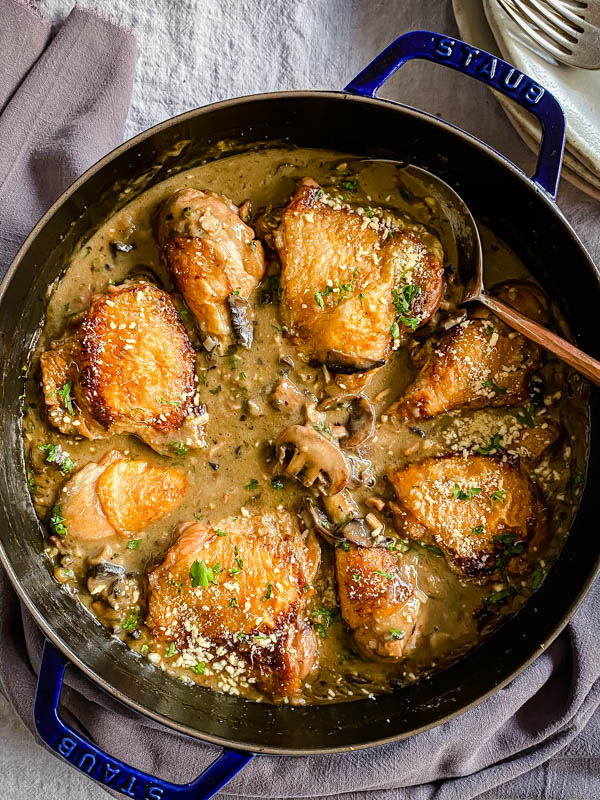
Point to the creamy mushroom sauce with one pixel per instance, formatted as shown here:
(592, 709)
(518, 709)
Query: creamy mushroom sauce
(235, 472)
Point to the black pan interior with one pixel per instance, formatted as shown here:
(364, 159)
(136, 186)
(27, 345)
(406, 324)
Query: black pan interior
(516, 211)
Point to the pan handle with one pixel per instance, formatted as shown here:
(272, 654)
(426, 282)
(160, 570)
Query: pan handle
(110, 772)
(486, 68)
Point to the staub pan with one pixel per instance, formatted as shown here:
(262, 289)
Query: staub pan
(521, 210)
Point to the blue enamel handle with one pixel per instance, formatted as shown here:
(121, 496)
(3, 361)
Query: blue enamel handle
(111, 772)
(486, 68)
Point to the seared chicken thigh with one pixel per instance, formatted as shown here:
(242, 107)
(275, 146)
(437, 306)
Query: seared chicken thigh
(482, 513)
(117, 496)
(243, 585)
(352, 282)
(129, 368)
(478, 363)
(215, 262)
(377, 599)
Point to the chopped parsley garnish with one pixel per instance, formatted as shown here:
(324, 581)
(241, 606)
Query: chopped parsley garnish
(478, 531)
(144, 649)
(495, 444)
(57, 521)
(319, 299)
(33, 487)
(322, 428)
(171, 650)
(269, 592)
(577, 476)
(65, 396)
(537, 578)
(233, 602)
(327, 616)
(199, 668)
(527, 416)
(56, 455)
(489, 384)
(133, 544)
(402, 302)
(187, 211)
(387, 575)
(277, 483)
(499, 495)
(357, 577)
(489, 329)
(307, 587)
(178, 448)
(361, 297)
(368, 212)
(397, 634)
(221, 533)
(131, 621)
(201, 574)
(251, 485)
(395, 330)
(162, 401)
(459, 494)
(350, 186)
(497, 598)
(343, 544)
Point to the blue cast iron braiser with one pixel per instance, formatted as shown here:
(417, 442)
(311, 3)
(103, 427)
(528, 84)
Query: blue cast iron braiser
(252, 728)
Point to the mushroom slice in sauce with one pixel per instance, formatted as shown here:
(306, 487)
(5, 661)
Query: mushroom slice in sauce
(341, 272)
(306, 455)
(117, 496)
(342, 520)
(214, 260)
(240, 585)
(361, 417)
(481, 512)
(129, 368)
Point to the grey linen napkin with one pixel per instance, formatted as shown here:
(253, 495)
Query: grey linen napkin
(66, 108)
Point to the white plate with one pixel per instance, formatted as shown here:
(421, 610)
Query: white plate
(581, 165)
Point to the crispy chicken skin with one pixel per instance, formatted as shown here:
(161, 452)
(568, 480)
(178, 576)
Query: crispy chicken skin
(129, 368)
(478, 363)
(323, 243)
(483, 513)
(254, 602)
(214, 260)
(117, 496)
(377, 599)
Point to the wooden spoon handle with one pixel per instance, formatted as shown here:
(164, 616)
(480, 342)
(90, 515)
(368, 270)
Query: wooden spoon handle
(576, 358)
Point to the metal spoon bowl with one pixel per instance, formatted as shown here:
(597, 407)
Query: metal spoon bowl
(466, 243)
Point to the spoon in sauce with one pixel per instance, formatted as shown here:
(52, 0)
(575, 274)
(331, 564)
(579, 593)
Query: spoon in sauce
(469, 261)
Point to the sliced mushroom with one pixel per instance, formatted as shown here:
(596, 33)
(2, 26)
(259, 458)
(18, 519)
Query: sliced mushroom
(338, 362)
(103, 575)
(342, 520)
(241, 323)
(361, 417)
(307, 456)
(287, 397)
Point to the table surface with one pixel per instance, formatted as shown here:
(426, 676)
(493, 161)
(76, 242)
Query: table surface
(317, 44)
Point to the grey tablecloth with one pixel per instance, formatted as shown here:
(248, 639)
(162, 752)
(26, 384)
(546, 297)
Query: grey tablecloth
(64, 102)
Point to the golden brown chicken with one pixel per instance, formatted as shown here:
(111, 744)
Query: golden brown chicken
(129, 368)
(483, 513)
(352, 281)
(240, 585)
(377, 599)
(478, 363)
(117, 496)
(215, 262)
